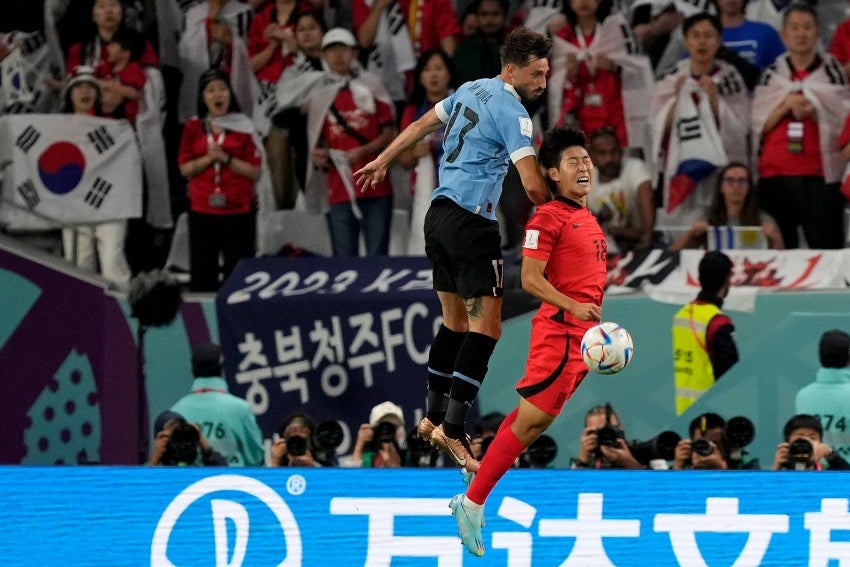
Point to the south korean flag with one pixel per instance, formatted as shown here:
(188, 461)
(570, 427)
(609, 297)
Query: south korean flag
(67, 170)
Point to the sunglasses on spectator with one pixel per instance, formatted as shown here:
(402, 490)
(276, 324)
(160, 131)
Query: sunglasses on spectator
(736, 180)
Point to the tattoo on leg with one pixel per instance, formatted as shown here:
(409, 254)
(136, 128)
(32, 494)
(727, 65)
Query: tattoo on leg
(473, 307)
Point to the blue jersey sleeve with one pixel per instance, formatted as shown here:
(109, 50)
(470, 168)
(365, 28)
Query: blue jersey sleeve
(516, 130)
(444, 108)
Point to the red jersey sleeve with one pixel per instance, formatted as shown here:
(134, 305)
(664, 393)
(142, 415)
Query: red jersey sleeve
(256, 41)
(540, 234)
(359, 13)
(446, 19)
(133, 76)
(75, 57)
(840, 45)
(384, 113)
(149, 57)
(191, 132)
(407, 116)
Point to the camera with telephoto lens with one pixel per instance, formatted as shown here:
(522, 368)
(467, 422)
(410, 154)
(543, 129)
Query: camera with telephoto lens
(184, 445)
(296, 446)
(385, 432)
(329, 435)
(662, 446)
(800, 455)
(739, 432)
(540, 453)
(419, 451)
(609, 435)
(702, 447)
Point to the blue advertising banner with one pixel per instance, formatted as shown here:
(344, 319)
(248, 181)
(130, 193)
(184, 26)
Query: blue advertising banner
(382, 517)
(330, 337)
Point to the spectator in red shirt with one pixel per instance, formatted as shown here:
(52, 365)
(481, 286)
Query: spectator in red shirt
(272, 48)
(271, 37)
(220, 159)
(798, 111)
(107, 19)
(432, 24)
(121, 79)
(353, 115)
(593, 92)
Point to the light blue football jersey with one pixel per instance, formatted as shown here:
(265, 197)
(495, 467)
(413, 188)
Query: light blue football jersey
(485, 126)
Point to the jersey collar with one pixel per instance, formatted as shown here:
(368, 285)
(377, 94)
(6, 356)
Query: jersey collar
(512, 90)
(568, 202)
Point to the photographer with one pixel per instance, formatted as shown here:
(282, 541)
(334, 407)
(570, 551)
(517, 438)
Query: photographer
(377, 441)
(179, 443)
(706, 447)
(603, 442)
(294, 446)
(804, 449)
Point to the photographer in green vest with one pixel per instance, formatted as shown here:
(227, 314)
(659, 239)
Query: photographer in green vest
(703, 336)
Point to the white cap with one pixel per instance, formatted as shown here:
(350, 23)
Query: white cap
(338, 35)
(386, 410)
(81, 74)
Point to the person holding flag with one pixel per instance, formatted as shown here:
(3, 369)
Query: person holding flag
(701, 118)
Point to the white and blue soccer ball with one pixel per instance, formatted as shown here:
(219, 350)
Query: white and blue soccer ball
(607, 348)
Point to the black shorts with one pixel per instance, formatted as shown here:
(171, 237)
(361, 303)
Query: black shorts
(465, 251)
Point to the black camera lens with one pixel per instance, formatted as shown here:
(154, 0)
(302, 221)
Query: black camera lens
(702, 447)
(183, 445)
(542, 452)
(609, 436)
(800, 451)
(329, 435)
(740, 432)
(662, 446)
(296, 445)
(385, 432)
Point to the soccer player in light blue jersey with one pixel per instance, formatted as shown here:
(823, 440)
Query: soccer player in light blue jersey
(485, 125)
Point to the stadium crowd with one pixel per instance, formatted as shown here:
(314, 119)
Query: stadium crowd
(245, 109)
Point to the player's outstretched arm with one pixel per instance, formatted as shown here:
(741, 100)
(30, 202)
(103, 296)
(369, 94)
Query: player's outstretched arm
(532, 180)
(376, 170)
(534, 282)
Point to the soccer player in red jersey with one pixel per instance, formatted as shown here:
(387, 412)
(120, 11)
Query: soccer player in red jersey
(563, 265)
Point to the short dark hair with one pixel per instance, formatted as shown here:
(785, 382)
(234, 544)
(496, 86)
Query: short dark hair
(207, 359)
(834, 349)
(555, 141)
(489, 423)
(603, 132)
(316, 15)
(714, 269)
(694, 19)
(610, 413)
(712, 421)
(803, 7)
(130, 40)
(523, 45)
(304, 418)
(799, 421)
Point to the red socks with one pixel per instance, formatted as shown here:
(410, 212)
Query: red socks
(501, 455)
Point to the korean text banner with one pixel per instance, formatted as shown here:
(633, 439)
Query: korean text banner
(330, 337)
(68, 169)
(377, 518)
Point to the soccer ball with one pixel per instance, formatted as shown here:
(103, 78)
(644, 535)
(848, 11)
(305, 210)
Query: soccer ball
(607, 348)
